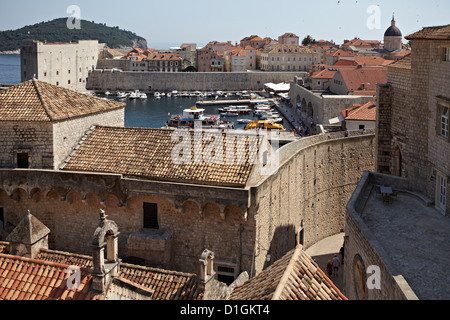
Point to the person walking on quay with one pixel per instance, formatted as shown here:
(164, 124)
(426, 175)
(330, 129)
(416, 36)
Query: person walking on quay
(336, 264)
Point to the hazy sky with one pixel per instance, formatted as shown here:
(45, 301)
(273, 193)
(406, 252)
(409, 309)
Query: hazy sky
(167, 23)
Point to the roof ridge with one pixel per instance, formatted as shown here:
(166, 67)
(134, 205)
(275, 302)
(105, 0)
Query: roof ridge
(41, 262)
(75, 149)
(44, 105)
(287, 273)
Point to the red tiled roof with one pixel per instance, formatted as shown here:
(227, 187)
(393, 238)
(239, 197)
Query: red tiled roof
(359, 42)
(166, 285)
(340, 53)
(363, 78)
(35, 100)
(432, 33)
(373, 61)
(403, 63)
(147, 153)
(365, 112)
(329, 71)
(343, 62)
(31, 279)
(294, 277)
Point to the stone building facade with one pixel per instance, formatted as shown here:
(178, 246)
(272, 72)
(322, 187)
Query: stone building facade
(413, 136)
(42, 123)
(288, 57)
(248, 224)
(397, 228)
(62, 64)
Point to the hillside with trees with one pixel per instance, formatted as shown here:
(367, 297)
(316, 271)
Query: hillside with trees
(57, 31)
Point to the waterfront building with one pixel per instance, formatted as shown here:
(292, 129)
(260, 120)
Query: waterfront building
(254, 41)
(62, 64)
(288, 58)
(164, 62)
(208, 60)
(217, 46)
(289, 38)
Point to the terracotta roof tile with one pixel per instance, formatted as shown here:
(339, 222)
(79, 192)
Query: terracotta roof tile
(167, 285)
(41, 286)
(363, 78)
(432, 33)
(294, 277)
(35, 100)
(340, 53)
(147, 153)
(365, 112)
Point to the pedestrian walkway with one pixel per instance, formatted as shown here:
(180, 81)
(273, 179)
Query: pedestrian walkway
(323, 251)
(292, 116)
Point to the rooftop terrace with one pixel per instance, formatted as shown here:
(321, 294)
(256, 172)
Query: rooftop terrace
(408, 233)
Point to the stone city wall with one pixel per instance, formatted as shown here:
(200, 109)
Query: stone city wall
(309, 192)
(108, 80)
(241, 226)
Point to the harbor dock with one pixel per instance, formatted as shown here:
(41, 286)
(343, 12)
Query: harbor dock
(232, 102)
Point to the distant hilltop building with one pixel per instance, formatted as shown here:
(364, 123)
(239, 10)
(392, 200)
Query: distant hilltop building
(62, 64)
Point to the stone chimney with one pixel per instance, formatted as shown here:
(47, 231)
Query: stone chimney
(207, 273)
(28, 237)
(105, 237)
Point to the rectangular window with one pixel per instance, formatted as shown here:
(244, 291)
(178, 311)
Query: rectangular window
(447, 54)
(151, 216)
(226, 274)
(22, 160)
(441, 191)
(443, 129)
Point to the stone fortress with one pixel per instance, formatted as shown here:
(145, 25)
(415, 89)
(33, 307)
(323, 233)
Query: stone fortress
(251, 221)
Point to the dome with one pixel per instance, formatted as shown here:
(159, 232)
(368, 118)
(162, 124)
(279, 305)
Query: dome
(393, 31)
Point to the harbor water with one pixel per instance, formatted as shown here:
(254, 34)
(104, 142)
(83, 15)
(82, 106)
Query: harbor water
(142, 113)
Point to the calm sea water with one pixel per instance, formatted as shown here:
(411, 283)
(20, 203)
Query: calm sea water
(153, 113)
(147, 113)
(9, 69)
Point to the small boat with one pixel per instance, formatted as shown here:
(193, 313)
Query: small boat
(244, 120)
(121, 95)
(134, 95)
(229, 114)
(268, 125)
(192, 116)
(157, 95)
(143, 95)
(107, 93)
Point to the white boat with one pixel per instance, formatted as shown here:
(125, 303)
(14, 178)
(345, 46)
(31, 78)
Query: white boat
(229, 114)
(134, 95)
(121, 95)
(143, 96)
(157, 95)
(244, 120)
(107, 93)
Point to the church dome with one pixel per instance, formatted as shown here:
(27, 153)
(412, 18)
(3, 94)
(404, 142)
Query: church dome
(393, 31)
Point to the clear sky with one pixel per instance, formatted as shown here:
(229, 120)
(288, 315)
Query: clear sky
(169, 23)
